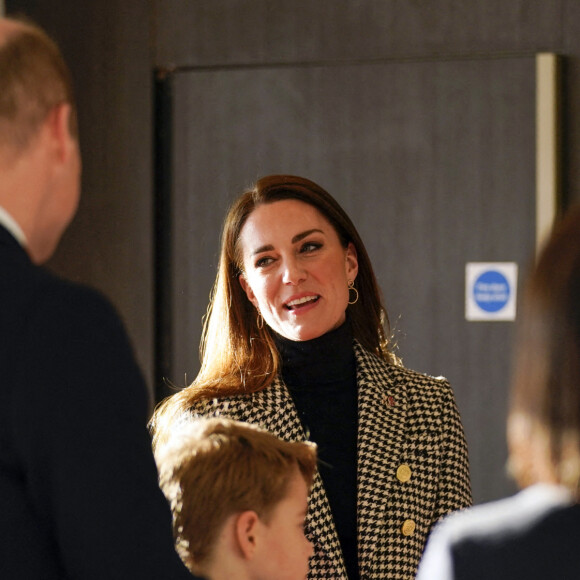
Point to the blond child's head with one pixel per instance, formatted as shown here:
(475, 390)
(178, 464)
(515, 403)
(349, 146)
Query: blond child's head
(239, 498)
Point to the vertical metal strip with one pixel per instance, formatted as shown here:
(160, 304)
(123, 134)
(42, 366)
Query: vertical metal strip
(163, 152)
(547, 145)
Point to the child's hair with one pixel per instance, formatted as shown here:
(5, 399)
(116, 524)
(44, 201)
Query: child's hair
(212, 468)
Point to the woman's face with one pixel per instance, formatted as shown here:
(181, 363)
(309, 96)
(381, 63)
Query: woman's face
(296, 271)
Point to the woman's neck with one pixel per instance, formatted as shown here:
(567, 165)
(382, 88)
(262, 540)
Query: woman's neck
(322, 360)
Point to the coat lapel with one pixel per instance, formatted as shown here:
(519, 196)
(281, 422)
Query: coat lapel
(382, 408)
(274, 409)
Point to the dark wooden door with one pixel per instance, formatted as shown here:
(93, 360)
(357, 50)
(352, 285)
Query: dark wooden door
(434, 162)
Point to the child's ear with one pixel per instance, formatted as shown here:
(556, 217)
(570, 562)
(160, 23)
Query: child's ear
(246, 530)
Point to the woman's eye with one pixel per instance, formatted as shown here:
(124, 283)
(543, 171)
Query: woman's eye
(263, 262)
(310, 247)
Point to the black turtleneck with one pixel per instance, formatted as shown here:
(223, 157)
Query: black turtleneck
(321, 377)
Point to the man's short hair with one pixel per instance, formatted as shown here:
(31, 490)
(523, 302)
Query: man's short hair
(212, 468)
(34, 78)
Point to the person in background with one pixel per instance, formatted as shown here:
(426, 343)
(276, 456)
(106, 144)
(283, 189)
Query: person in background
(295, 341)
(239, 497)
(79, 493)
(534, 534)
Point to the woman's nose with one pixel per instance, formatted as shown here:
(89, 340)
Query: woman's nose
(293, 272)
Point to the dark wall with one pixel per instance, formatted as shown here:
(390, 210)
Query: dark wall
(114, 46)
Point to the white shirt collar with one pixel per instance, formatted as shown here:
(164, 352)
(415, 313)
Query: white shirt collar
(12, 226)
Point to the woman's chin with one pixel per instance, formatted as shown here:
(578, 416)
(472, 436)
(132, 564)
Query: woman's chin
(301, 334)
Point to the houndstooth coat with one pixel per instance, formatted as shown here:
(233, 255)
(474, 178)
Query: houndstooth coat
(412, 464)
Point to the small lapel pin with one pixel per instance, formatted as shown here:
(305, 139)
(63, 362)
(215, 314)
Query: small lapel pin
(389, 400)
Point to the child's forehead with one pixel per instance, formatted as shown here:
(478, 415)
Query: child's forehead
(297, 491)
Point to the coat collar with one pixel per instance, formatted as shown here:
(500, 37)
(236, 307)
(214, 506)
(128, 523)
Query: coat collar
(8, 222)
(7, 240)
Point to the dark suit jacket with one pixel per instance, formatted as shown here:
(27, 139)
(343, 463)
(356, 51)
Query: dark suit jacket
(78, 485)
(533, 535)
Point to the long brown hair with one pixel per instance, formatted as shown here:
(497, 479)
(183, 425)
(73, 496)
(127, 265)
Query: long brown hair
(240, 357)
(544, 421)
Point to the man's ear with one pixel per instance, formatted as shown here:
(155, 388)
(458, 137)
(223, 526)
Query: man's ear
(248, 290)
(246, 533)
(57, 125)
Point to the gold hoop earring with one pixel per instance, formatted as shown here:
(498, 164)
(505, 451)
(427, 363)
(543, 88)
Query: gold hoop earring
(260, 321)
(351, 287)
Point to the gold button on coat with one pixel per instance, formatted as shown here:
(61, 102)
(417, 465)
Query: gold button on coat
(408, 528)
(403, 473)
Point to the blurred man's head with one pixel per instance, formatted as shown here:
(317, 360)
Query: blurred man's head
(39, 153)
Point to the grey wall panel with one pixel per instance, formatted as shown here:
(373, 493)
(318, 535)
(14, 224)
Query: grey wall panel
(255, 32)
(433, 160)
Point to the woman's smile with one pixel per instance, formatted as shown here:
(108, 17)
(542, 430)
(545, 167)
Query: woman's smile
(300, 303)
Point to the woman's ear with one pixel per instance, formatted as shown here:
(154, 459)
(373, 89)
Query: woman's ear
(248, 290)
(246, 533)
(351, 262)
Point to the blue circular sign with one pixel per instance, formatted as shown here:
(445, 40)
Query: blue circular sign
(491, 291)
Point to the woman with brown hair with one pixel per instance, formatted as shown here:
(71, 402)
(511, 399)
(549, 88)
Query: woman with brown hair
(534, 534)
(295, 341)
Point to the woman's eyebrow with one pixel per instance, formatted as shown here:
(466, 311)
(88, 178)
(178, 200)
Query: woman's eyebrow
(296, 238)
(266, 248)
(305, 234)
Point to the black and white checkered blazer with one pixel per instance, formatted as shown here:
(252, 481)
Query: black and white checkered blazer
(412, 464)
